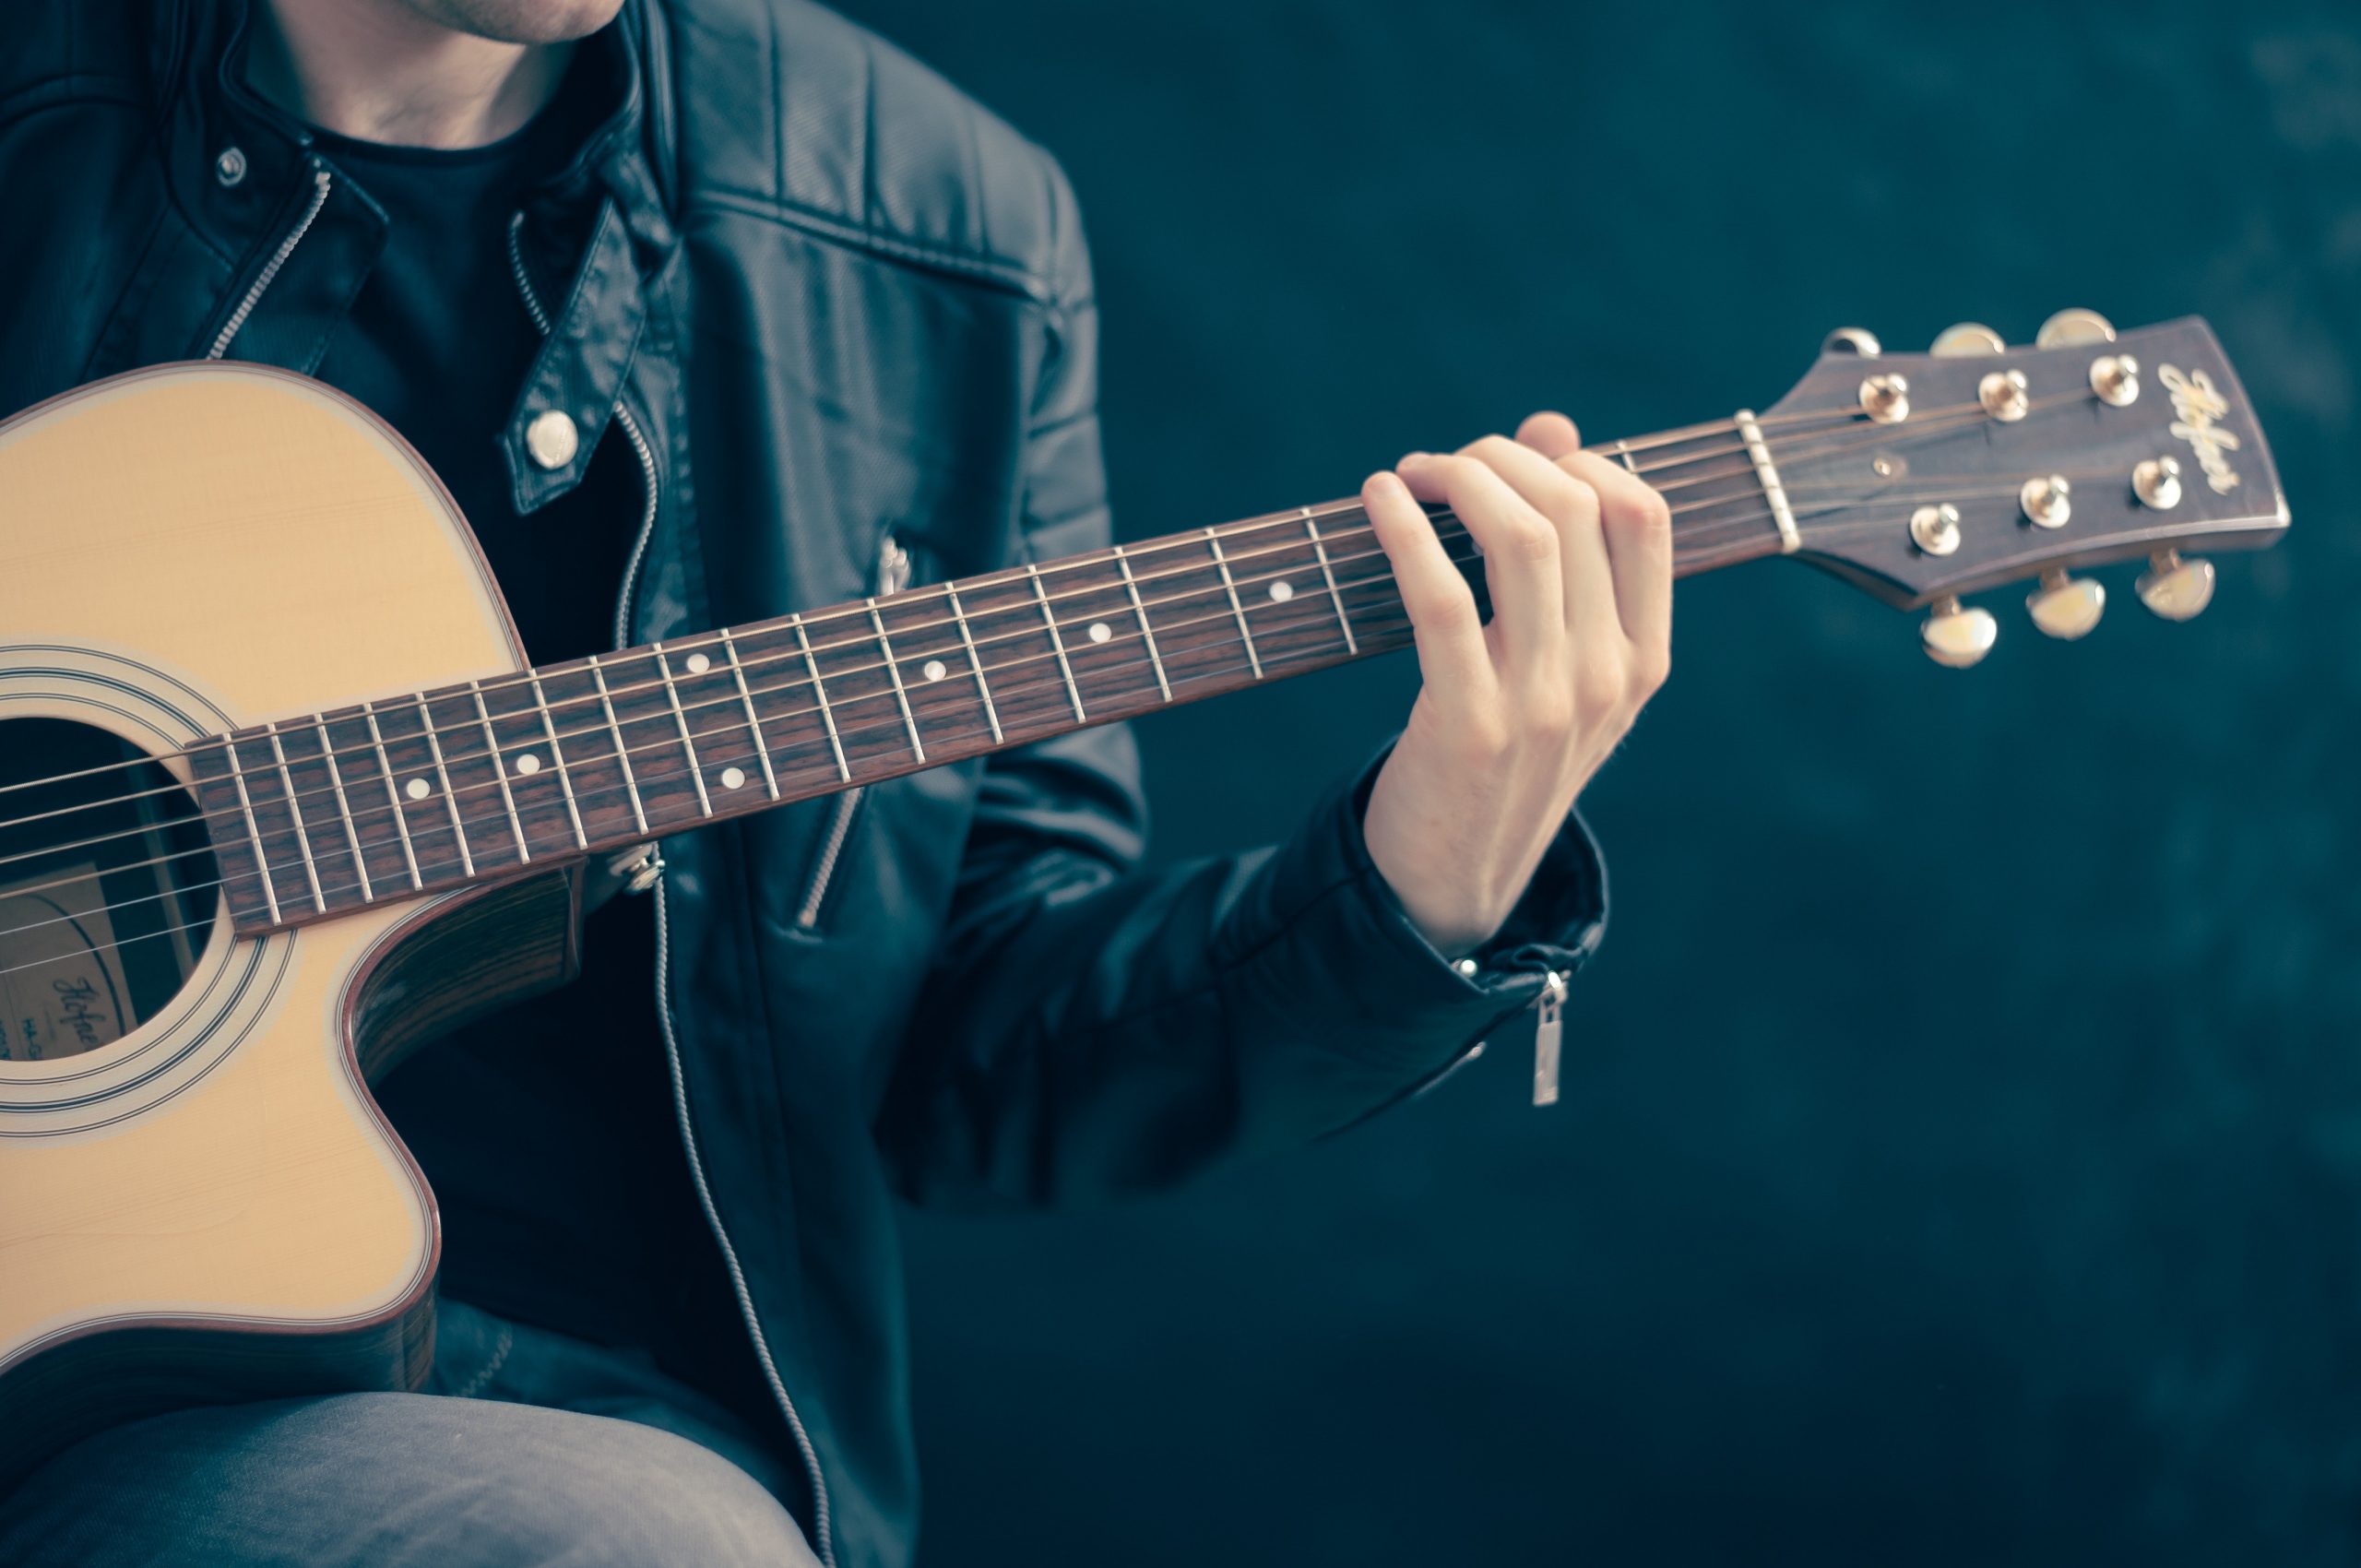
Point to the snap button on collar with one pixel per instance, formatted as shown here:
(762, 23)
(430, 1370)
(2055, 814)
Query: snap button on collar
(552, 439)
(230, 167)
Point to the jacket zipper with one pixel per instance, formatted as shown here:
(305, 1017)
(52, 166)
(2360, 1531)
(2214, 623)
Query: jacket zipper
(892, 576)
(321, 180)
(1548, 1029)
(624, 604)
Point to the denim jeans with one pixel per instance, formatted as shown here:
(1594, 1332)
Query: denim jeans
(526, 1448)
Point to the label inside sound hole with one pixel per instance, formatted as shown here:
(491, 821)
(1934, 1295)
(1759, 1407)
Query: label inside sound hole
(62, 987)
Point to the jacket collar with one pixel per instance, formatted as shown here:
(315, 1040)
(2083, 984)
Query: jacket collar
(245, 173)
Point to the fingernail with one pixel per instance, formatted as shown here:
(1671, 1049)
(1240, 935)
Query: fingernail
(1388, 484)
(1410, 458)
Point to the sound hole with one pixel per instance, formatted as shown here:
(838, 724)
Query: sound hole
(107, 888)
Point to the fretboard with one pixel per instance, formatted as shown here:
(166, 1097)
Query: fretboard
(318, 815)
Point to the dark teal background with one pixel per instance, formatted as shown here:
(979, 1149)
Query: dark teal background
(1962, 1132)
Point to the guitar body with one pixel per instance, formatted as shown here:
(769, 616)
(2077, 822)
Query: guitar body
(209, 1205)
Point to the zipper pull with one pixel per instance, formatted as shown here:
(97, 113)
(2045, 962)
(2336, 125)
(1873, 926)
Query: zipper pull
(1547, 1030)
(893, 566)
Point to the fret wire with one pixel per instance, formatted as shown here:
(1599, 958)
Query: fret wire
(500, 772)
(245, 803)
(841, 731)
(1239, 531)
(1147, 633)
(1311, 527)
(1840, 424)
(688, 747)
(450, 800)
(1282, 663)
(1380, 580)
(393, 797)
(894, 669)
(622, 753)
(557, 759)
(343, 805)
(959, 616)
(819, 690)
(754, 720)
(1227, 615)
(1253, 659)
(1057, 642)
(295, 812)
(1216, 674)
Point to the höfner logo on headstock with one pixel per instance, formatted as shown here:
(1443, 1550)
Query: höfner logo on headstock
(2199, 406)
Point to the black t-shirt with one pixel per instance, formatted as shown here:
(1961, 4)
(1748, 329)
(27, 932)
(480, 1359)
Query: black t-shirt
(546, 1130)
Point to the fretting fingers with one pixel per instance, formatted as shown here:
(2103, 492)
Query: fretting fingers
(1521, 551)
(1551, 435)
(1572, 508)
(1637, 526)
(1444, 617)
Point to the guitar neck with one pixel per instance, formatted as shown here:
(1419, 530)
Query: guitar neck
(423, 793)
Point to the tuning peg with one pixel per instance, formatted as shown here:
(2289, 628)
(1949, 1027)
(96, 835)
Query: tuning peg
(2156, 481)
(2065, 607)
(2116, 379)
(1967, 341)
(1858, 340)
(1886, 399)
(2004, 396)
(2047, 500)
(2071, 326)
(1935, 530)
(2174, 588)
(1957, 637)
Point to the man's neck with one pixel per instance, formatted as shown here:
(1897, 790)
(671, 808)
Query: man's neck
(376, 70)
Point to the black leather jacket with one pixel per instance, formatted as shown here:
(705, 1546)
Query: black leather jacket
(825, 297)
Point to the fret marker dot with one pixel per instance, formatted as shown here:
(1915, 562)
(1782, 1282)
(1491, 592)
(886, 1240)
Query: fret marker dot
(1100, 631)
(528, 763)
(732, 777)
(699, 664)
(1281, 590)
(934, 670)
(416, 789)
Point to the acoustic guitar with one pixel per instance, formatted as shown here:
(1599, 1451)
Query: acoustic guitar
(280, 799)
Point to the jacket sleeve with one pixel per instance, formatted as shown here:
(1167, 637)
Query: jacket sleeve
(1089, 1026)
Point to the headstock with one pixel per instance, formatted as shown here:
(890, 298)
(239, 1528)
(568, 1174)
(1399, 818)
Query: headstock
(1924, 477)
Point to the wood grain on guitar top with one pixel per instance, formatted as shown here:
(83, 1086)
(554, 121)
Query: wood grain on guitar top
(258, 1228)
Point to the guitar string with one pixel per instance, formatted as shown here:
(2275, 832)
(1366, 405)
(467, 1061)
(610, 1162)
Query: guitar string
(670, 745)
(1928, 423)
(1699, 541)
(1698, 537)
(1700, 554)
(1192, 538)
(566, 850)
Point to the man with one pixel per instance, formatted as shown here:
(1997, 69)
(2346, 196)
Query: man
(706, 309)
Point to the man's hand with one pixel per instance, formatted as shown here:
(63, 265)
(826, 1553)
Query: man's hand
(1516, 713)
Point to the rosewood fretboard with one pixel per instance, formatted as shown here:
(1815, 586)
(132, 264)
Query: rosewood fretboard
(320, 815)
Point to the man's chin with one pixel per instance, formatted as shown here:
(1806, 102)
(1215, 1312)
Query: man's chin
(521, 21)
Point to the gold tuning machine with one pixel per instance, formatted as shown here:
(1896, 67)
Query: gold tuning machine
(2176, 589)
(2065, 607)
(2156, 481)
(1967, 341)
(1856, 340)
(2047, 500)
(1957, 637)
(2068, 328)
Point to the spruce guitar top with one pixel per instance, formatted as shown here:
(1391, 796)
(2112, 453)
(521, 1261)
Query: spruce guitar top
(280, 799)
